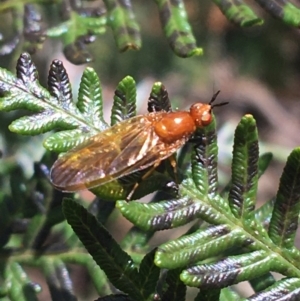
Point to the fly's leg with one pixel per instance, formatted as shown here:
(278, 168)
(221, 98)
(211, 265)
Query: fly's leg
(171, 185)
(145, 176)
(173, 163)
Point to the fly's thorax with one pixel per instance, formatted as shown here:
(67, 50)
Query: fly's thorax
(174, 126)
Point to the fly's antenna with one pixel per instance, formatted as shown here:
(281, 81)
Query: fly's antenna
(220, 104)
(217, 104)
(214, 97)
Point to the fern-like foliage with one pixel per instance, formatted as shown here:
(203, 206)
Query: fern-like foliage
(230, 242)
(80, 24)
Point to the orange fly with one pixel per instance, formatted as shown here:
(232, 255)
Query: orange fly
(131, 145)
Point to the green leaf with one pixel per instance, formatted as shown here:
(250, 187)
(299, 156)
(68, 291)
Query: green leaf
(238, 12)
(34, 229)
(90, 102)
(21, 287)
(205, 160)
(263, 163)
(124, 106)
(122, 21)
(261, 283)
(242, 195)
(291, 14)
(284, 289)
(58, 280)
(54, 110)
(111, 191)
(228, 271)
(159, 99)
(284, 221)
(76, 32)
(176, 212)
(197, 246)
(118, 266)
(283, 10)
(228, 294)
(13, 88)
(159, 216)
(177, 29)
(66, 140)
(212, 210)
(136, 243)
(59, 85)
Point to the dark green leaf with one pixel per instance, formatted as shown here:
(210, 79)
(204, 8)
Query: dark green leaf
(55, 110)
(58, 280)
(59, 85)
(122, 21)
(238, 12)
(159, 99)
(197, 246)
(242, 196)
(66, 140)
(111, 191)
(176, 289)
(159, 216)
(90, 101)
(35, 228)
(284, 289)
(21, 287)
(283, 10)
(101, 209)
(148, 275)
(124, 106)
(136, 242)
(33, 31)
(284, 221)
(7, 216)
(261, 283)
(77, 31)
(177, 29)
(77, 52)
(205, 160)
(229, 270)
(117, 264)
(228, 294)
(208, 295)
(263, 163)
(26, 70)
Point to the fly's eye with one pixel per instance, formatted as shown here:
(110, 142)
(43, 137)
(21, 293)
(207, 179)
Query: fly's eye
(201, 114)
(206, 118)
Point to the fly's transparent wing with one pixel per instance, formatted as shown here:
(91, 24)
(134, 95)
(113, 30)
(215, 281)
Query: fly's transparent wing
(103, 156)
(126, 147)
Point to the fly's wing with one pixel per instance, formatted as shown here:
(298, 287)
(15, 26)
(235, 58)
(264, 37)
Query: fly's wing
(153, 150)
(156, 153)
(105, 156)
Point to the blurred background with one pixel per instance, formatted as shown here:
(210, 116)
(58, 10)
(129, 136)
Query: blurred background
(257, 70)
